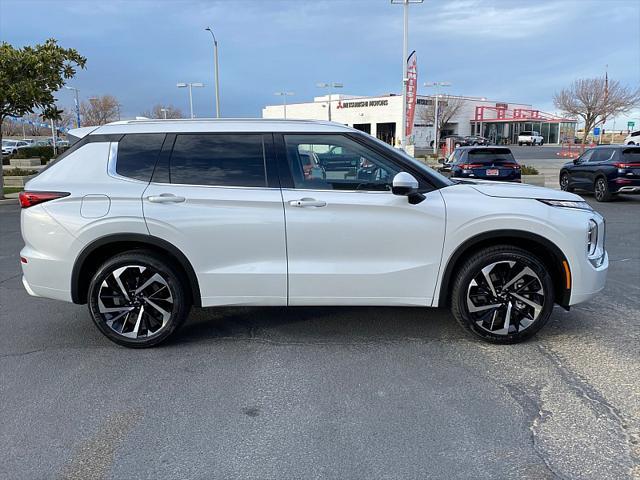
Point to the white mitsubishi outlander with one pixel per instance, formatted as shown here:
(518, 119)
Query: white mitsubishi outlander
(143, 219)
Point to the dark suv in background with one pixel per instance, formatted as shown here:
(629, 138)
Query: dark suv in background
(606, 171)
(483, 163)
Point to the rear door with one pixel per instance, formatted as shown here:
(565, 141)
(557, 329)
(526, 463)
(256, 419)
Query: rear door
(216, 198)
(350, 241)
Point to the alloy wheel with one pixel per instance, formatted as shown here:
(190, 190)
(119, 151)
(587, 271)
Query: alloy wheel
(505, 297)
(564, 181)
(135, 301)
(600, 189)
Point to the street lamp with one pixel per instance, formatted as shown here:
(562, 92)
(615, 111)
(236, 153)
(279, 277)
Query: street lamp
(437, 86)
(284, 96)
(77, 104)
(405, 55)
(164, 112)
(215, 64)
(329, 86)
(190, 86)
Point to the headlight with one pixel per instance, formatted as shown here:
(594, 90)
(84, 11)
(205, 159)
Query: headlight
(567, 204)
(592, 238)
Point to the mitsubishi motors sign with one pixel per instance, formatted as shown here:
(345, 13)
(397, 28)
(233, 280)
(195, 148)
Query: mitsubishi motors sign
(412, 92)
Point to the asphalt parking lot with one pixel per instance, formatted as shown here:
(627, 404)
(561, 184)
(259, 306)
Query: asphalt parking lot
(324, 392)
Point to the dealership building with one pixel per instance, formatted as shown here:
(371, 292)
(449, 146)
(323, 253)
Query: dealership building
(381, 116)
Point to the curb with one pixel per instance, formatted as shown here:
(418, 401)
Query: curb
(9, 201)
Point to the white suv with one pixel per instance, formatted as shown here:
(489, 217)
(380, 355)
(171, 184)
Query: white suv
(530, 138)
(143, 219)
(633, 138)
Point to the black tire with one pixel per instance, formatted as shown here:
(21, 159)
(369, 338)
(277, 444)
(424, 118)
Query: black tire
(601, 190)
(165, 294)
(564, 182)
(519, 328)
(519, 144)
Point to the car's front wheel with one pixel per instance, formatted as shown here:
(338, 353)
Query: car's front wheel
(502, 294)
(137, 299)
(564, 182)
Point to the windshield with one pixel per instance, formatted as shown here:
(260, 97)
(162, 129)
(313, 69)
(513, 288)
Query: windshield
(525, 133)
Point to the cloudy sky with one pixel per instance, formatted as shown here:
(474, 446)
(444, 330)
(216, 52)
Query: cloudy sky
(500, 49)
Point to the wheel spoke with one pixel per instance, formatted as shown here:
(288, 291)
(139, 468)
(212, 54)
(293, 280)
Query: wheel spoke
(486, 271)
(536, 307)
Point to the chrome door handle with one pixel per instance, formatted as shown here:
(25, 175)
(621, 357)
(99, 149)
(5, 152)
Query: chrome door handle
(308, 202)
(166, 198)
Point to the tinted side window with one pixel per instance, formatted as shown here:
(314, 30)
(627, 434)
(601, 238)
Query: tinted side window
(602, 155)
(586, 156)
(137, 155)
(236, 160)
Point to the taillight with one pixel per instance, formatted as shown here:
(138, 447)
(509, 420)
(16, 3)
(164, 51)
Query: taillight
(515, 166)
(29, 199)
(626, 165)
(467, 166)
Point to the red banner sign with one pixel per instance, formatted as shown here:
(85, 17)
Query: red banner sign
(412, 92)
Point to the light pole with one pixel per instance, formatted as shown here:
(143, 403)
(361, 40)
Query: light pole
(405, 54)
(77, 104)
(190, 85)
(329, 86)
(284, 96)
(436, 85)
(164, 112)
(215, 64)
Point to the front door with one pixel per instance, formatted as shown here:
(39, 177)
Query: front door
(214, 199)
(349, 239)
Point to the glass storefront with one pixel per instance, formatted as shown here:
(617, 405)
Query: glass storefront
(504, 133)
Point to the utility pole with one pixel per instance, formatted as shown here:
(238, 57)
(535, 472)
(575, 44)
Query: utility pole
(77, 102)
(435, 116)
(405, 54)
(284, 96)
(329, 86)
(215, 65)
(190, 85)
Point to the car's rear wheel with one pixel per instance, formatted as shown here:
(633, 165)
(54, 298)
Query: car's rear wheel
(502, 294)
(564, 182)
(601, 190)
(137, 299)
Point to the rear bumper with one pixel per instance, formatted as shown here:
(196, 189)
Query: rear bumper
(624, 185)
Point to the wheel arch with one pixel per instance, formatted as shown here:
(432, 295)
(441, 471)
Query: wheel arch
(94, 254)
(548, 252)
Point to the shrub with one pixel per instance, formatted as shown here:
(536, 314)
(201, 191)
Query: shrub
(44, 153)
(529, 170)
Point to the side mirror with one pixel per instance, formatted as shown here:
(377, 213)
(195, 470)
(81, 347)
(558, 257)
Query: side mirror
(442, 160)
(576, 161)
(406, 185)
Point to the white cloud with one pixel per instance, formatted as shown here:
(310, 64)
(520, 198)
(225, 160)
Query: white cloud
(485, 20)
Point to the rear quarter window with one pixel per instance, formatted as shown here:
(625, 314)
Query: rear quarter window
(138, 154)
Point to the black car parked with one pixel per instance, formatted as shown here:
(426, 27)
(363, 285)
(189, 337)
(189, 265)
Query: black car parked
(476, 140)
(605, 171)
(484, 163)
(458, 141)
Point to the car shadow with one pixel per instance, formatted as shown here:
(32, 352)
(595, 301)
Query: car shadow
(315, 325)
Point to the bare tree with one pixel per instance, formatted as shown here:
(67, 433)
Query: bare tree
(156, 112)
(594, 100)
(100, 110)
(11, 128)
(448, 107)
